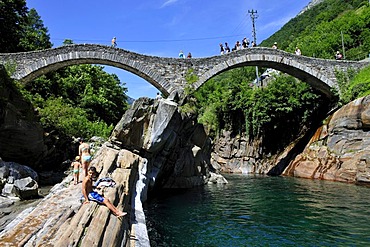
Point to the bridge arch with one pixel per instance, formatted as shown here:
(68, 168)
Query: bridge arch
(319, 73)
(169, 74)
(31, 65)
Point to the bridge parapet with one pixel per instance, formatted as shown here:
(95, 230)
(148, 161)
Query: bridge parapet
(169, 74)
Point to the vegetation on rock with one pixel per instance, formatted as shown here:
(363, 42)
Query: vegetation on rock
(80, 100)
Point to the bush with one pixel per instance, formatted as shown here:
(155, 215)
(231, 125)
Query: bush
(70, 120)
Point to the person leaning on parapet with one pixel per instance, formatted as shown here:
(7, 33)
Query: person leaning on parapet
(91, 195)
(181, 54)
(84, 153)
(274, 46)
(253, 44)
(338, 56)
(245, 43)
(189, 55)
(298, 51)
(114, 42)
(159, 96)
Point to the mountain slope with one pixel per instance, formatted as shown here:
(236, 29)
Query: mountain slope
(318, 30)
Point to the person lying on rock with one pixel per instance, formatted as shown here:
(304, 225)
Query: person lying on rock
(90, 195)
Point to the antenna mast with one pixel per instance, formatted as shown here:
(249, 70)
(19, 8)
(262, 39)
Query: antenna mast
(254, 16)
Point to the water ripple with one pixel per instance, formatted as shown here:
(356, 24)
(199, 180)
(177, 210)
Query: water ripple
(263, 211)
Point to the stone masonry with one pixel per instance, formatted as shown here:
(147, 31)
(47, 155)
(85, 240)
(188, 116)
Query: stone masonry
(169, 74)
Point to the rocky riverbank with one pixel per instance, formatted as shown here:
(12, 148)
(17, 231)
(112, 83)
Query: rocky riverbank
(338, 151)
(154, 146)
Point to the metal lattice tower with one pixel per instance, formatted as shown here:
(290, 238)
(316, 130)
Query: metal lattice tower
(254, 16)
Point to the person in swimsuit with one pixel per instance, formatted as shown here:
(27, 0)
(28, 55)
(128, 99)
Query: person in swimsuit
(76, 169)
(91, 195)
(84, 152)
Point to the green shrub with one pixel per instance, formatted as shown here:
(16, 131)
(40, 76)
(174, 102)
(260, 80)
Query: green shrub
(70, 120)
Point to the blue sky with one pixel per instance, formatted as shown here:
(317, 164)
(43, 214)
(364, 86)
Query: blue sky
(162, 27)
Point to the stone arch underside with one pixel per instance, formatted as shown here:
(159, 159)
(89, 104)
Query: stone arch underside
(309, 75)
(151, 76)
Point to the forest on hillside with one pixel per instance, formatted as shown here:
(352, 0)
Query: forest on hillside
(319, 32)
(279, 113)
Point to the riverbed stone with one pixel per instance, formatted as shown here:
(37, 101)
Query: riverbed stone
(342, 153)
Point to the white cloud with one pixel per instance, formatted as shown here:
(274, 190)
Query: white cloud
(168, 2)
(276, 23)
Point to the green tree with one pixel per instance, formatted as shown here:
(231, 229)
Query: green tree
(89, 87)
(34, 35)
(70, 120)
(12, 15)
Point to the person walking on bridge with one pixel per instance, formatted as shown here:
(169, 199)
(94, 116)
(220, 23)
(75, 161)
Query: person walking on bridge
(114, 42)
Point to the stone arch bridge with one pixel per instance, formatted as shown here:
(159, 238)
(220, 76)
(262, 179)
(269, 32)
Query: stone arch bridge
(168, 74)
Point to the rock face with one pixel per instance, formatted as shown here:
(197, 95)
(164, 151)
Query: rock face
(310, 5)
(176, 147)
(21, 135)
(153, 146)
(340, 149)
(236, 154)
(22, 138)
(61, 220)
(18, 181)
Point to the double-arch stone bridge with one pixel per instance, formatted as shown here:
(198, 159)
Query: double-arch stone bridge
(169, 74)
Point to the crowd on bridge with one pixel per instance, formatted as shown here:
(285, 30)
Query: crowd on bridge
(224, 49)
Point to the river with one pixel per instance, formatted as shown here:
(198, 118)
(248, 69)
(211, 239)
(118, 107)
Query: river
(262, 211)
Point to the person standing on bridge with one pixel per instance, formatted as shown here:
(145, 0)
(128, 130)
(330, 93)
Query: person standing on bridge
(222, 50)
(114, 42)
(181, 54)
(338, 56)
(275, 46)
(298, 51)
(245, 43)
(227, 48)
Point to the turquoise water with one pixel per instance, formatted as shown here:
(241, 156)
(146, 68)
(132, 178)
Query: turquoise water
(263, 211)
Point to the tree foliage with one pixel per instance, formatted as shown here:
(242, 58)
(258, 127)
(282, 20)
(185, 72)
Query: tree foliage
(21, 29)
(79, 100)
(318, 31)
(88, 87)
(70, 120)
(275, 113)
